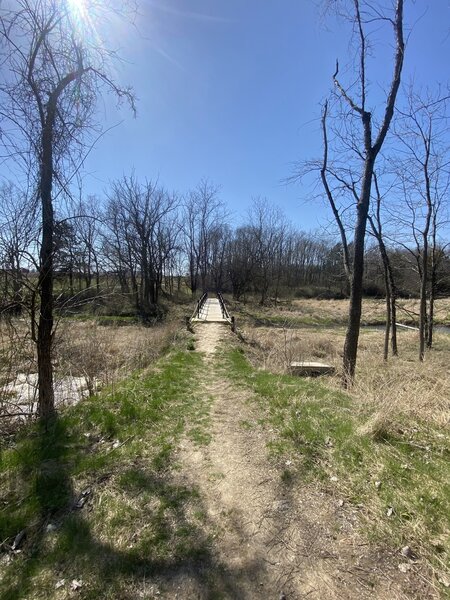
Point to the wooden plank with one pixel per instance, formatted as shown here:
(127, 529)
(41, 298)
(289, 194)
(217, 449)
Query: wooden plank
(407, 327)
(311, 368)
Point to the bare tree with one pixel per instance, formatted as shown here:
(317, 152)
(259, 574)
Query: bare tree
(51, 78)
(424, 173)
(267, 227)
(141, 222)
(203, 213)
(361, 136)
(376, 225)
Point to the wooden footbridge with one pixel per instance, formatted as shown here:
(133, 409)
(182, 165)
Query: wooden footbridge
(212, 310)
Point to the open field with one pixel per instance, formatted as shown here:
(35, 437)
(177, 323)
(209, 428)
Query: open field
(401, 386)
(333, 312)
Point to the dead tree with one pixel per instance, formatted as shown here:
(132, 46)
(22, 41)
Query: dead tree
(389, 282)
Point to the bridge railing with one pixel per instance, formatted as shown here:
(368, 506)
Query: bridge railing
(199, 306)
(225, 313)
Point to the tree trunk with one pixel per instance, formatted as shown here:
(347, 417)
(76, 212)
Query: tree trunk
(433, 286)
(393, 309)
(388, 317)
(45, 327)
(430, 318)
(354, 319)
(423, 304)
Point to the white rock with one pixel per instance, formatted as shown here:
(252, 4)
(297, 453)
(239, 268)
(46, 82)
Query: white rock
(76, 584)
(407, 552)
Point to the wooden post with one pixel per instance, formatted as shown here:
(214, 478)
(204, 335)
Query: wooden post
(233, 324)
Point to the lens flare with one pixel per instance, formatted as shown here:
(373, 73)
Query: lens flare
(82, 15)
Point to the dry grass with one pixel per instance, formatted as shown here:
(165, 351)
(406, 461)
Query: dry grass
(106, 354)
(389, 434)
(388, 391)
(87, 357)
(324, 312)
(403, 386)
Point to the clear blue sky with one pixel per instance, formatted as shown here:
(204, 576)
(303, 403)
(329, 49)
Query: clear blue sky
(231, 90)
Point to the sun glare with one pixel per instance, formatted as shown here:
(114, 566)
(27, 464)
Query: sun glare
(77, 8)
(84, 17)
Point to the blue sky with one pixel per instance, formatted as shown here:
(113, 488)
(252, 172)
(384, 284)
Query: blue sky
(231, 90)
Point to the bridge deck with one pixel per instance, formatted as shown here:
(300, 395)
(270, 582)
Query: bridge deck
(211, 312)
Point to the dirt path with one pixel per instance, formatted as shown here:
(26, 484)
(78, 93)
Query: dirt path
(269, 539)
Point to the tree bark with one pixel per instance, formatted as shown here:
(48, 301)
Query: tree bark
(354, 317)
(45, 326)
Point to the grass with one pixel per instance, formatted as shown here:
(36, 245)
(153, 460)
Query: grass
(113, 454)
(324, 434)
(314, 312)
(101, 356)
(390, 391)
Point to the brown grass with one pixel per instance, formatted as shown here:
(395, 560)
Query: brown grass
(97, 354)
(336, 311)
(106, 354)
(400, 388)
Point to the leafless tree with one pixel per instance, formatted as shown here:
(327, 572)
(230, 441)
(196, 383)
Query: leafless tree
(376, 225)
(360, 137)
(143, 238)
(424, 173)
(52, 76)
(18, 238)
(203, 212)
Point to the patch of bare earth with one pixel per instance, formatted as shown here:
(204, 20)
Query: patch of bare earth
(268, 538)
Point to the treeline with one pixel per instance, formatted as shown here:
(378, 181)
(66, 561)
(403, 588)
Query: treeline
(148, 243)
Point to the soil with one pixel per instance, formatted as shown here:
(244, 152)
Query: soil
(270, 538)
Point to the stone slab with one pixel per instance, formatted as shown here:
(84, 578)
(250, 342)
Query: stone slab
(311, 368)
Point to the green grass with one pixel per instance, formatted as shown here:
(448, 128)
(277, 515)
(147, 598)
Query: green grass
(319, 429)
(138, 518)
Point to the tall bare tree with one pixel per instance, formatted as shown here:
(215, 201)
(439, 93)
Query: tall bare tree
(424, 173)
(376, 225)
(203, 213)
(142, 238)
(52, 75)
(361, 135)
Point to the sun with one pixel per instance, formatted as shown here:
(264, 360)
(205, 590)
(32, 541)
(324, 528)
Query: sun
(81, 13)
(77, 8)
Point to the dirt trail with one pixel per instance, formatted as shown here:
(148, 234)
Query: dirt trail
(269, 539)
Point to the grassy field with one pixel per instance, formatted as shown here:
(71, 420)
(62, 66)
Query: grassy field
(295, 313)
(384, 445)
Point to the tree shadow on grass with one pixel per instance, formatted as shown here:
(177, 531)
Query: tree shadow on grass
(175, 549)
